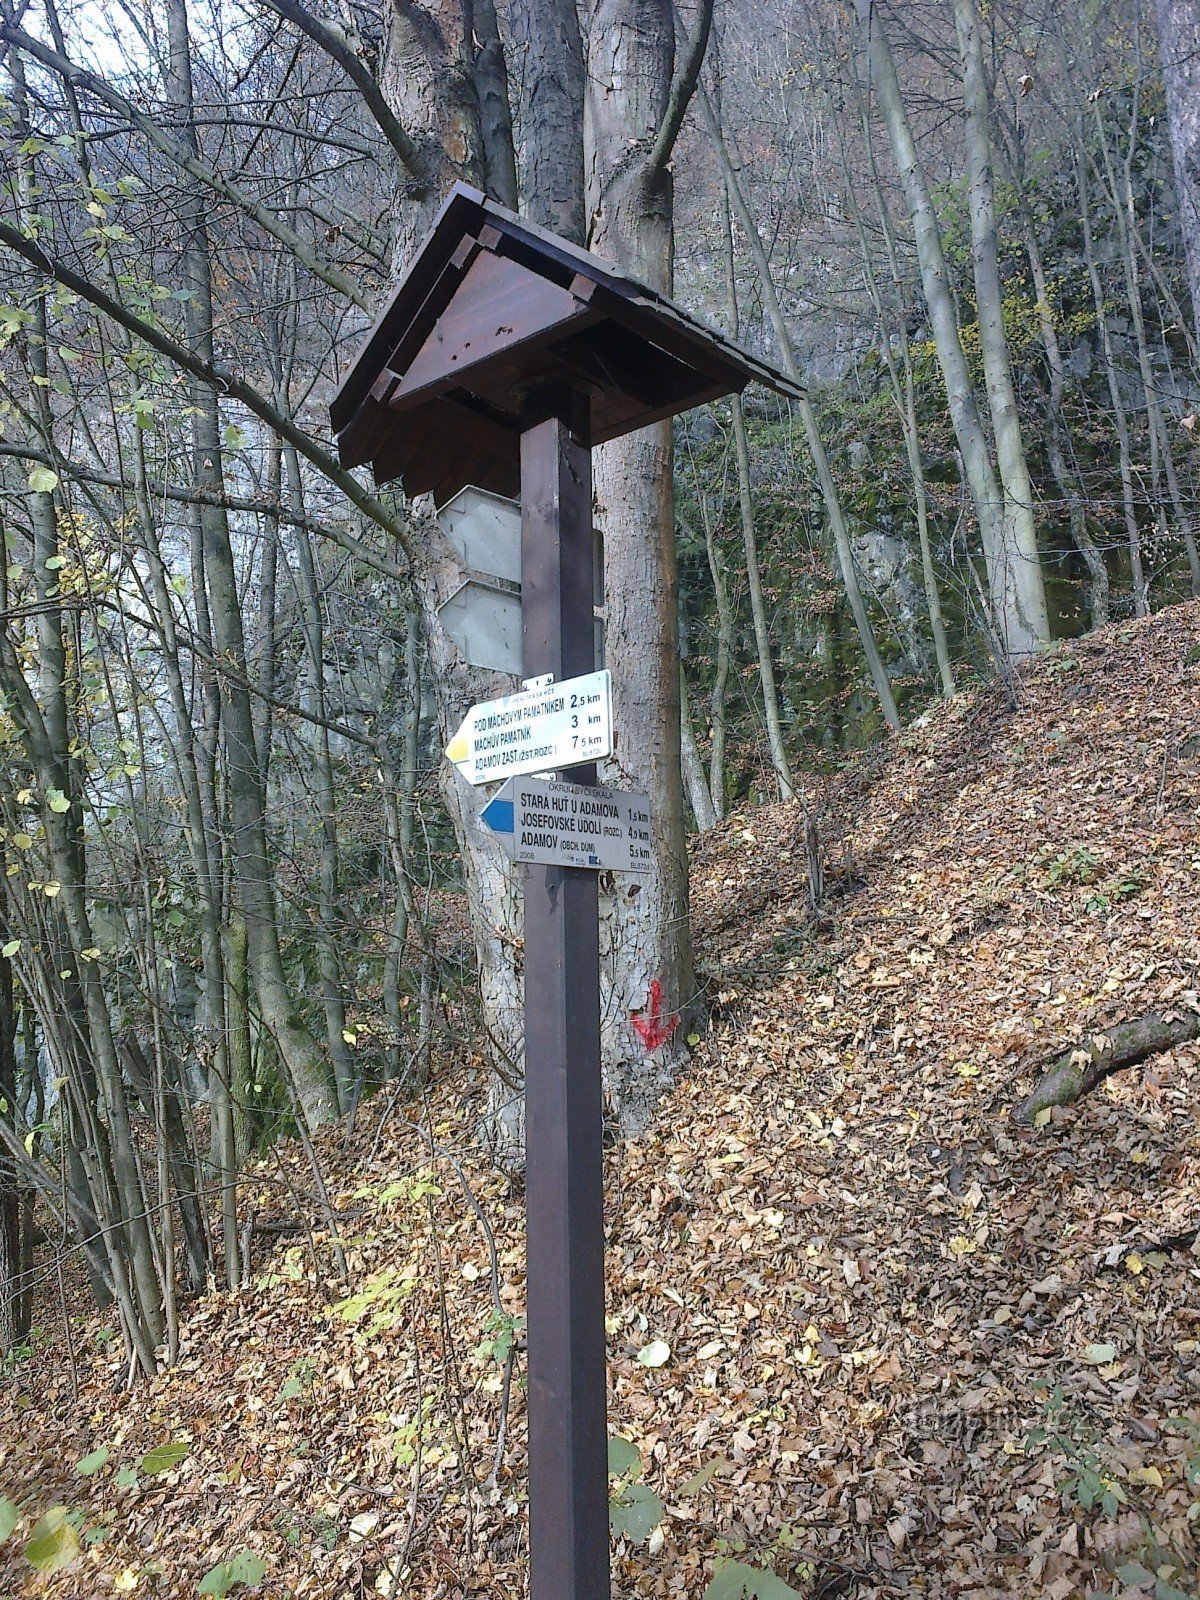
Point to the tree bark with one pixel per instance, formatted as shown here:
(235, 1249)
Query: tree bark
(1020, 535)
(646, 950)
(547, 42)
(1179, 45)
(1077, 1071)
(1014, 579)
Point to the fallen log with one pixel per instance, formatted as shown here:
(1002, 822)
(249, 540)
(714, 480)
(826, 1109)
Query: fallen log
(1071, 1075)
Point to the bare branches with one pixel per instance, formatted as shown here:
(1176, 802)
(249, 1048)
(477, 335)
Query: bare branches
(77, 77)
(224, 381)
(201, 495)
(342, 48)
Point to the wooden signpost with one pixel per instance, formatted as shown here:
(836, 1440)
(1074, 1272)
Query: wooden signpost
(502, 358)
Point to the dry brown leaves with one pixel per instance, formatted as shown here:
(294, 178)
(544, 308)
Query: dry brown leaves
(875, 1289)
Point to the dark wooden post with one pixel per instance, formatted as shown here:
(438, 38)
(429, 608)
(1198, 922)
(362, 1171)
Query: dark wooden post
(568, 1443)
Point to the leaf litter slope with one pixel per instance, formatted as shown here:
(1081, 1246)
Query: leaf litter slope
(900, 1331)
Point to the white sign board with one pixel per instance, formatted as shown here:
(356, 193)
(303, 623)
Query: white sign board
(485, 623)
(571, 825)
(485, 529)
(538, 730)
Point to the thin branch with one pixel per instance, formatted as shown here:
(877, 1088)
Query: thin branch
(682, 90)
(198, 495)
(78, 77)
(224, 381)
(340, 47)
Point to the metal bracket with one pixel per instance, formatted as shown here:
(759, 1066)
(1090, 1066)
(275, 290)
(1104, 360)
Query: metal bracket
(542, 682)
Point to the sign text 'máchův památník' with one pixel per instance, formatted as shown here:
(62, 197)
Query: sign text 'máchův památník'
(538, 730)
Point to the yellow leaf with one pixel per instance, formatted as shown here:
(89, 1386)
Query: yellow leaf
(51, 889)
(1134, 1263)
(1149, 1475)
(1042, 1118)
(22, 841)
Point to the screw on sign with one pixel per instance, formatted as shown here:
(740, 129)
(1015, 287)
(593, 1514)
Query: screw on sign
(493, 365)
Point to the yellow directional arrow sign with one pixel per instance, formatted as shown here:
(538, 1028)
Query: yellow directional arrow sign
(545, 729)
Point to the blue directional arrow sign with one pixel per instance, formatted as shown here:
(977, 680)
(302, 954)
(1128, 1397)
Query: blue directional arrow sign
(547, 823)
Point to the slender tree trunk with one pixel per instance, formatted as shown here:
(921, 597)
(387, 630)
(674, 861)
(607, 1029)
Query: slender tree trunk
(904, 400)
(1179, 44)
(758, 610)
(816, 448)
(400, 811)
(693, 768)
(329, 931)
(1161, 458)
(1120, 420)
(1020, 536)
(723, 662)
(298, 1053)
(14, 1292)
(1014, 578)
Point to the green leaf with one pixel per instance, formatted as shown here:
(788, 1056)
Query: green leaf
(655, 1354)
(694, 1485)
(165, 1457)
(248, 1569)
(53, 1543)
(42, 480)
(57, 801)
(636, 1513)
(10, 949)
(92, 1463)
(624, 1459)
(234, 437)
(1134, 1572)
(127, 1478)
(734, 1580)
(10, 1515)
(1100, 1355)
(245, 1569)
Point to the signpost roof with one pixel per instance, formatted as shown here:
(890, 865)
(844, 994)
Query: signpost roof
(493, 306)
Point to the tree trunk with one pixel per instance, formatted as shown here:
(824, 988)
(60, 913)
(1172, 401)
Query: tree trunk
(547, 42)
(904, 400)
(1179, 44)
(694, 777)
(1020, 536)
(646, 951)
(1077, 1071)
(1120, 421)
(14, 1291)
(1014, 580)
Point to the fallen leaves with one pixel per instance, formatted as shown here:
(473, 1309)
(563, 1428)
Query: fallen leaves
(896, 1332)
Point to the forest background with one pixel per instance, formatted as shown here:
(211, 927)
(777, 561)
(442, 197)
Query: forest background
(241, 886)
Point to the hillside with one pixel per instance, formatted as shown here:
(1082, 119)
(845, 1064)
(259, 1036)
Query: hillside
(914, 1349)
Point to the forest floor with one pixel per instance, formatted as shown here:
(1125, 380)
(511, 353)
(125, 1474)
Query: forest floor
(891, 1343)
